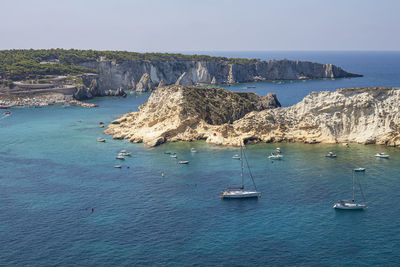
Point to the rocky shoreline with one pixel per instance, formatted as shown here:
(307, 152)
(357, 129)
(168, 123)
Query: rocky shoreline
(368, 115)
(40, 100)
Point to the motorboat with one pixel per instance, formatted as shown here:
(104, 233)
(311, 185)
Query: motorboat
(120, 157)
(167, 153)
(183, 162)
(382, 155)
(101, 140)
(330, 155)
(278, 150)
(239, 192)
(193, 150)
(275, 156)
(173, 156)
(7, 112)
(236, 156)
(118, 166)
(124, 153)
(359, 169)
(352, 204)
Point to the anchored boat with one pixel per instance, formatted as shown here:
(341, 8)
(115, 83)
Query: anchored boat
(275, 156)
(236, 156)
(382, 155)
(352, 204)
(239, 191)
(330, 155)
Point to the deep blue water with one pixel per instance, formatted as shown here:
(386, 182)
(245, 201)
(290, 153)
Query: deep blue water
(53, 172)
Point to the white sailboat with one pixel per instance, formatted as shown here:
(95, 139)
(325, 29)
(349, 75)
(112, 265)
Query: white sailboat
(352, 204)
(239, 191)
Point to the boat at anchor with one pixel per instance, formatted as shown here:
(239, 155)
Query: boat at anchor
(238, 192)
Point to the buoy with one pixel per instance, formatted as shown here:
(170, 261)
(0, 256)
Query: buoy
(215, 134)
(162, 174)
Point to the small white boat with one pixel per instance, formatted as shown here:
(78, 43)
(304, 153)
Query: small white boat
(120, 157)
(382, 155)
(352, 204)
(239, 192)
(193, 150)
(173, 156)
(278, 150)
(359, 169)
(183, 162)
(101, 140)
(236, 156)
(118, 166)
(330, 155)
(124, 153)
(275, 156)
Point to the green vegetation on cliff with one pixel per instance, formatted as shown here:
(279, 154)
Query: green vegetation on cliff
(23, 64)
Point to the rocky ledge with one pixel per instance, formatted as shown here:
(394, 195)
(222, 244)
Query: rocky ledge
(172, 113)
(40, 100)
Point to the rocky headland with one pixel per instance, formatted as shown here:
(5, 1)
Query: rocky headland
(143, 76)
(352, 115)
(85, 74)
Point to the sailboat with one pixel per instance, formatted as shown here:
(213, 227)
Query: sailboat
(239, 191)
(352, 204)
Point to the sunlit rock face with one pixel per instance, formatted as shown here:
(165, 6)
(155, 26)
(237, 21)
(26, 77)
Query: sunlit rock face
(172, 113)
(146, 75)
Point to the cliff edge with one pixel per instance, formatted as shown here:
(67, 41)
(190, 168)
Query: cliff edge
(145, 76)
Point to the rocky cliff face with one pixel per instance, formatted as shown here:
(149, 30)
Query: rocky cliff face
(146, 75)
(361, 115)
(178, 112)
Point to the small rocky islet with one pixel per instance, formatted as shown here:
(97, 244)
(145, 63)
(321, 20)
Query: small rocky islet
(187, 113)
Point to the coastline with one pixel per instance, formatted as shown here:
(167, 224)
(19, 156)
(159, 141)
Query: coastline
(40, 100)
(182, 113)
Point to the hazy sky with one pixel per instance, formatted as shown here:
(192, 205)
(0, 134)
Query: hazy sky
(201, 25)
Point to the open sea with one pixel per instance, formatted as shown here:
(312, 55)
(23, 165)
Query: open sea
(53, 172)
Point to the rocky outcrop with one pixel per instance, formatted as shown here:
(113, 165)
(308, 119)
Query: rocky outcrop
(144, 84)
(145, 75)
(91, 88)
(172, 113)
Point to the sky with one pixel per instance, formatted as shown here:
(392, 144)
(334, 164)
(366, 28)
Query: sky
(201, 25)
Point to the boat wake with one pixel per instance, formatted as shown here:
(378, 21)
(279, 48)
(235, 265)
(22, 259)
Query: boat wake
(4, 116)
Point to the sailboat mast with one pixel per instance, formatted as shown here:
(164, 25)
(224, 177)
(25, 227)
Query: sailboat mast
(241, 163)
(354, 193)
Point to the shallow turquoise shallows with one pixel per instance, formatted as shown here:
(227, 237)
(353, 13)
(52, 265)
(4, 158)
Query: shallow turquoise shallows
(53, 172)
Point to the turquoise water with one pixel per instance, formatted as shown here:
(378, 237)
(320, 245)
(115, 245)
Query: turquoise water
(53, 172)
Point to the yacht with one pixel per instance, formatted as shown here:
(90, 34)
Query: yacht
(352, 204)
(238, 192)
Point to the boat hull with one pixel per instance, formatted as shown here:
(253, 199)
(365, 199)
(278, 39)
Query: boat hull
(349, 206)
(240, 194)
